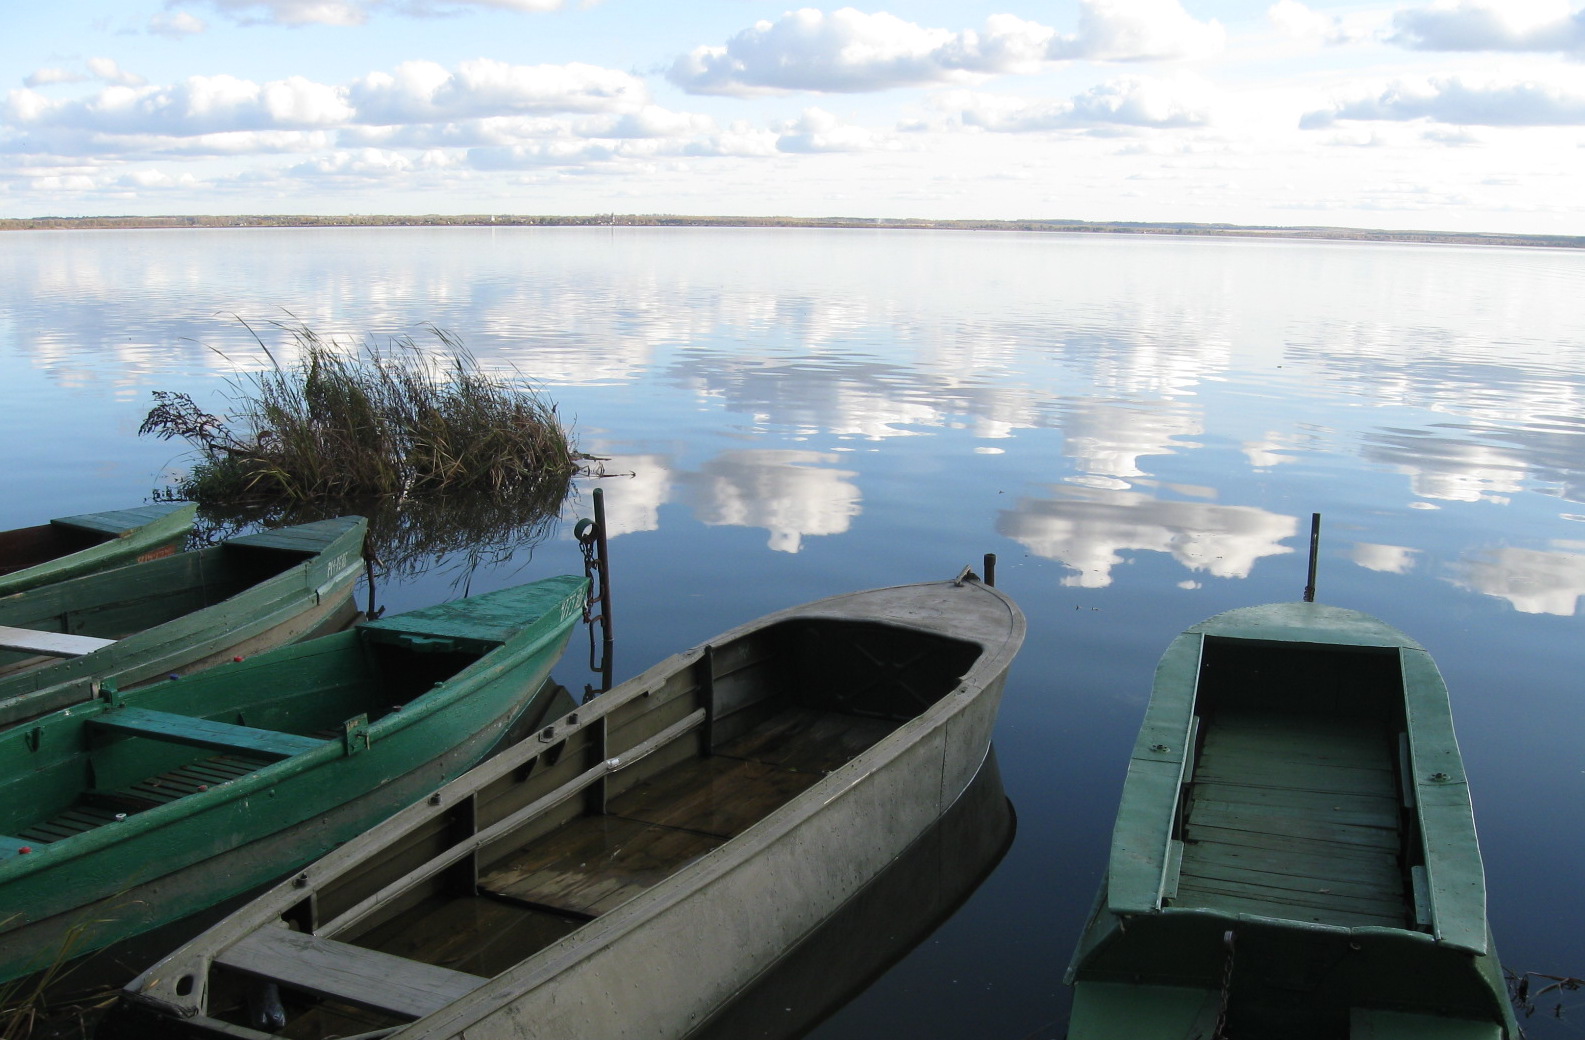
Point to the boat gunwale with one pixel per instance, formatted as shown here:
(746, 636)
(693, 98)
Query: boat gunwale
(989, 668)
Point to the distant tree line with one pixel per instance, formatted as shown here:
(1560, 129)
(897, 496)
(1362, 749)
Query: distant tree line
(675, 220)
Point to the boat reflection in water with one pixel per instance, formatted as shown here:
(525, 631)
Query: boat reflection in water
(882, 924)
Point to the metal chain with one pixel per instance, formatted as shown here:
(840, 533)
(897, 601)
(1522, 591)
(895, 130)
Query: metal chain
(1227, 985)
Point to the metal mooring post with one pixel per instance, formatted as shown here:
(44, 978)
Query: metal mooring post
(1315, 552)
(597, 568)
(990, 569)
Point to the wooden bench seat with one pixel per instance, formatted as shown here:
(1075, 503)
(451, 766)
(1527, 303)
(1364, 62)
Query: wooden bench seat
(49, 644)
(204, 733)
(340, 971)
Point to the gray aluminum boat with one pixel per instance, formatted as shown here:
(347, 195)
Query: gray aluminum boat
(637, 863)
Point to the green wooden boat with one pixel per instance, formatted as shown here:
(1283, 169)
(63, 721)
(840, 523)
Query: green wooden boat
(1295, 854)
(71, 546)
(175, 615)
(117, 817)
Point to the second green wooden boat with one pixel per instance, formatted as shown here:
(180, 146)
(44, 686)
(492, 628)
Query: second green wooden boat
(1295, 853)
(70, 546)
(118, 818)
(176, 615)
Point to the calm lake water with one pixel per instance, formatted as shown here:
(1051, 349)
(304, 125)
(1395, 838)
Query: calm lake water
(1138, 427)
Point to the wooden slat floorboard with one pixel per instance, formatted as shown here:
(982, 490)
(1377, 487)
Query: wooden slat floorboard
(1320, 899)
(1292, 825)
(808, 740)
(480, 936)
(1362, 809)
(1322, 869)
(716, 796)
(595, 863)
(1294, 816)
(1266, 908)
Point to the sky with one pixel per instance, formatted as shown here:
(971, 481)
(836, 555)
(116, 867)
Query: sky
(1447, 115)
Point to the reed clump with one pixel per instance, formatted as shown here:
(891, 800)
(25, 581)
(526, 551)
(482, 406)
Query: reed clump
(393, 420)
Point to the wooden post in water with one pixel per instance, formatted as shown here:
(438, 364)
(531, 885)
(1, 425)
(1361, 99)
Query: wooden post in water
(1315, 552)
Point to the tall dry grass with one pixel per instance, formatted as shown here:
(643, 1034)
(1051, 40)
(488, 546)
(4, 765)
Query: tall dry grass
(401, 420)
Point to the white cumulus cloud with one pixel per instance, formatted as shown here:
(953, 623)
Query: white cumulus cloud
(417, 94)
(176, 25)
(423, 91)
(1138, 30)
(356, 12)
(1492, 25)
(850, 51)
(1295, 20)
(1138, 102)
(54, 74)
(817, 130)
(1461, 102)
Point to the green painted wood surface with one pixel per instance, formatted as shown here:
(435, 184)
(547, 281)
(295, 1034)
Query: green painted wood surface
(1293, 829)
(189, 731)
(434, 715)
(117, 537)
(179, 613)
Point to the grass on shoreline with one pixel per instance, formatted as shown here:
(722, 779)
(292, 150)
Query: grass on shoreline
(398, 420)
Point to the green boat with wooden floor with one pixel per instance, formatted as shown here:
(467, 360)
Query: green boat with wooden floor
(632, 866)
(1295, 856)
(71, 546)
(176, 615)
(119, 817)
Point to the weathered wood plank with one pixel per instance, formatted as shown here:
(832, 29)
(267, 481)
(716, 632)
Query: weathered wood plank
(1324, 907)
(1284, 843)
(594, 864)
(1205, 871)
(344, 972)
(805, 739)
(1381, 874)
(717, 796)
(1245, 904)
(205, 733)
(1365, 810)
(50, 644)
(480, 935)
(1238, 818)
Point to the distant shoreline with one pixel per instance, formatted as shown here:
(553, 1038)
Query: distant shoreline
(1339, 234)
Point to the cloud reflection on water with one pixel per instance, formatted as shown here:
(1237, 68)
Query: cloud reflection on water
(792, 494)
(1535, 581)
(1090, 531)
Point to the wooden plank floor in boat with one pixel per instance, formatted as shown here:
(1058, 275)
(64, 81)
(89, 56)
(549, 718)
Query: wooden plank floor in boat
(652, 830)
(1296, 817)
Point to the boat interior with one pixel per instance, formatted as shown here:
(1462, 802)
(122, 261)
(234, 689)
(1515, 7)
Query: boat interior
(1295, 805)
(578, 819)
(114, 604)
(72, 772)
(27, 547)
